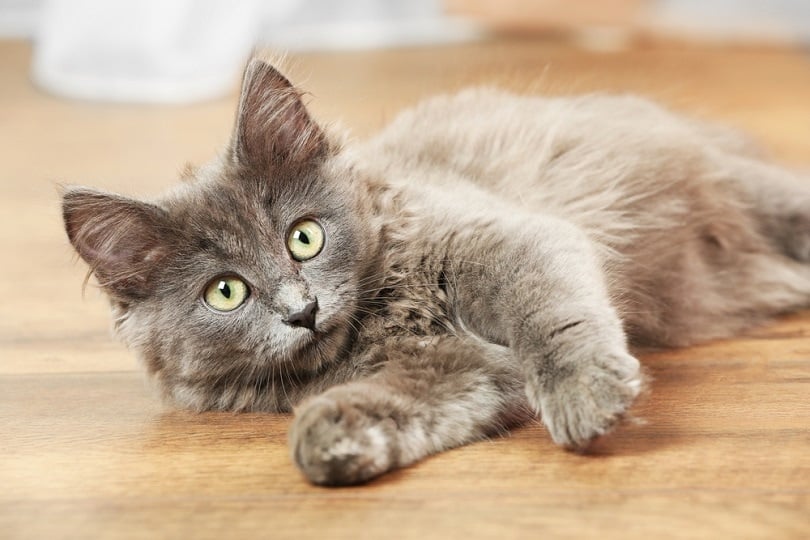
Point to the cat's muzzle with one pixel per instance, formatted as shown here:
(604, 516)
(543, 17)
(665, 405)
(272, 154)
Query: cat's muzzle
(304, 318)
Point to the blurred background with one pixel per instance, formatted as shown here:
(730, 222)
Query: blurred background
(120, 95)
(188, 50)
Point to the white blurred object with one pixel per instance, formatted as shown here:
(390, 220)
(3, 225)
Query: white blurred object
(172, 51)
(153, 51)
(361, 24)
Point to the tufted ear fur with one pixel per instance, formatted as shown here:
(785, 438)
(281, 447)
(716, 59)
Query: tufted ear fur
(120, 239)
(273, 127)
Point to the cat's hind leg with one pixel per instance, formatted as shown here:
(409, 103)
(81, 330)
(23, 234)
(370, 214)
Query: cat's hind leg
(736, 258)
(780, 202)
(749, 261)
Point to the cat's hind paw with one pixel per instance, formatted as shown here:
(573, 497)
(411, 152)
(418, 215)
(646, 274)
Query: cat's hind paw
(336, 443)
(590, 400)
(795, 236)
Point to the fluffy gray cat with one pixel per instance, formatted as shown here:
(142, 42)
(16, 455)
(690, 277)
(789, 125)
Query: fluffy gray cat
(487, 257)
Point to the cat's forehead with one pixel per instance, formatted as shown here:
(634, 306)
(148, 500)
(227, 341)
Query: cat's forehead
(223, 211)
(238, 206)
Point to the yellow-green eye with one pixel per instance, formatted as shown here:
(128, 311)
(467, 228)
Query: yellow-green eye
(226, 293)
(305, 240)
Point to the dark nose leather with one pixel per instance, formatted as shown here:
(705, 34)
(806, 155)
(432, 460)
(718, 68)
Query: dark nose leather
(304, 318)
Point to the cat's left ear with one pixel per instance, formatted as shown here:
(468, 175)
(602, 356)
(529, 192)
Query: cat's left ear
(273, 127)
(121, 239)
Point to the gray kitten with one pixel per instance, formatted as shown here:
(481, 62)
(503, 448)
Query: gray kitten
(485, 258)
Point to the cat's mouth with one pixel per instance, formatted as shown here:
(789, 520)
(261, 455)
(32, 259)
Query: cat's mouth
(306, 317)
(314, 333)
(310, 349)
(309, 325)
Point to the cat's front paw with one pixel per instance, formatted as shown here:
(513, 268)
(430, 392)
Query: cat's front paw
(589, 399)
(336, 443)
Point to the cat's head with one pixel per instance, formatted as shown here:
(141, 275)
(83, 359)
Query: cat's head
(247, 277)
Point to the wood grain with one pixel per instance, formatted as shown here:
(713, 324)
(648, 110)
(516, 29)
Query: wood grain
(88, 452)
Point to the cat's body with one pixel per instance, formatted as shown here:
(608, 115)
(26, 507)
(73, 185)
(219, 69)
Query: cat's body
(676, 221)
(484, 258)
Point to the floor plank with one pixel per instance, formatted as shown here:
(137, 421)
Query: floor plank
(721, 449)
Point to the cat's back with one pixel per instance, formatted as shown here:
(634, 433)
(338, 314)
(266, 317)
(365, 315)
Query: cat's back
(487, 126)
(591, 159)
(484, 132)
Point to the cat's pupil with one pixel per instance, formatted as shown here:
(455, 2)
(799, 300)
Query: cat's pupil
(224, 289)
(302, 237)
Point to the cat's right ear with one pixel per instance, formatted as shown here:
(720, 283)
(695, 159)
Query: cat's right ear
(122, 240)
(273, 128)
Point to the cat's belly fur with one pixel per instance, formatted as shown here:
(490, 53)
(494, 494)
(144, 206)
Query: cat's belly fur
(657, 194)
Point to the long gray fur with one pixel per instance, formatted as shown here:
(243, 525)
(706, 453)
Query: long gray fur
(488, 257)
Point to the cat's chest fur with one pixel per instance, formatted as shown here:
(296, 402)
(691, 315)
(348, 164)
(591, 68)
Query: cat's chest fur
(425, 228)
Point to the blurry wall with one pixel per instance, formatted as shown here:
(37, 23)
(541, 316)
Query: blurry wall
(706, 20)
(185, 50)
(353, 23)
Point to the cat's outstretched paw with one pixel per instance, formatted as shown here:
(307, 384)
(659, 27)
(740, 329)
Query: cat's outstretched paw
(335, 443)
(590, 399)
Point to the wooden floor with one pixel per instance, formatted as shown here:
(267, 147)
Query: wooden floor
(87, 452)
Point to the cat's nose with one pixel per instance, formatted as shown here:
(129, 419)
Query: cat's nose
(304, 318)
